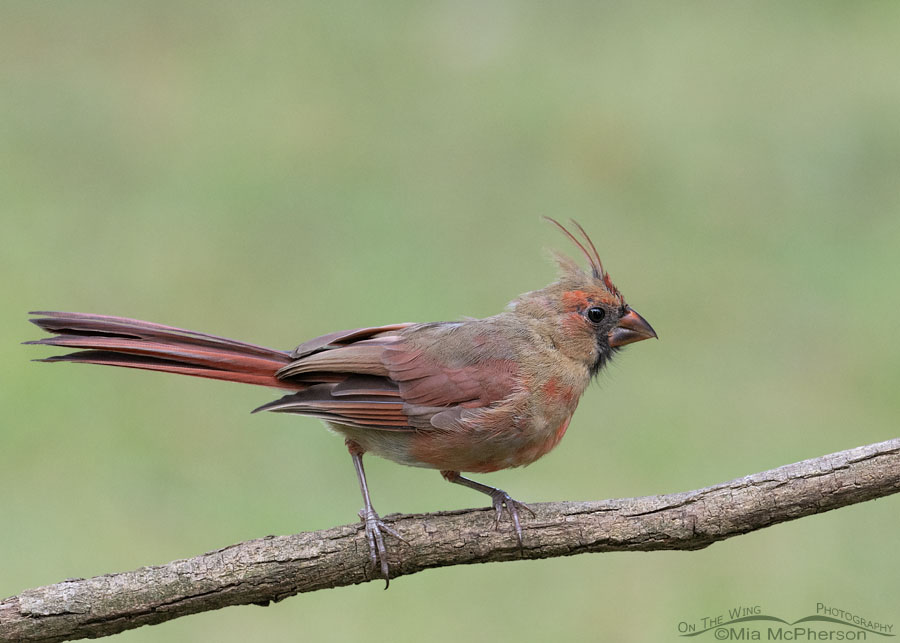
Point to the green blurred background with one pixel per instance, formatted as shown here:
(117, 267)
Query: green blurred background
(274, 171)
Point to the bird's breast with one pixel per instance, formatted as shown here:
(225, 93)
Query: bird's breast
(546, 441)
(513, 433)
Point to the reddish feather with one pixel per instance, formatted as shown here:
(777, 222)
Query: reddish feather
(222, 359)
(132, 343)
(424, 380)
(100, 325)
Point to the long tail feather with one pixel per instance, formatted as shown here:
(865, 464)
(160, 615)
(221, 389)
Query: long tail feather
(132, 343)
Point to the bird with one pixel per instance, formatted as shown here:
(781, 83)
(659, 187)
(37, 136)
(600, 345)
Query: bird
(473, 396)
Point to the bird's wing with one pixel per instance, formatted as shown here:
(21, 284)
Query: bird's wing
(343, 338)
(398, 377)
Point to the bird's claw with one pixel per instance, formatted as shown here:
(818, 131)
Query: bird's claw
(502, 500)
(375, 530)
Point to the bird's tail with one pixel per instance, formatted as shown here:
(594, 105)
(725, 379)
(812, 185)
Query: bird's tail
(118, 341)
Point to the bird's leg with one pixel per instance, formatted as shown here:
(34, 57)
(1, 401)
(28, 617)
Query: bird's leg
(499, 498)
(373, 523)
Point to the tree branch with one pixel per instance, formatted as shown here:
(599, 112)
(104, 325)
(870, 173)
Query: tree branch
(275, 567)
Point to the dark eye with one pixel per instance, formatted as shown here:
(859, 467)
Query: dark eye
(596, 314)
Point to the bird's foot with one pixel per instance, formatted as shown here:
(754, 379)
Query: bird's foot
(375, 530)
(502, 501)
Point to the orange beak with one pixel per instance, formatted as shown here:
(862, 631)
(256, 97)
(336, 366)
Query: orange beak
(631, 328)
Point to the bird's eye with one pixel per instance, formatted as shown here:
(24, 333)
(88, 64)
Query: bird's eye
(596, 314)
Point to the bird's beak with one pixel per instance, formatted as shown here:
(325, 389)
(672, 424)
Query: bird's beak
(631, 328)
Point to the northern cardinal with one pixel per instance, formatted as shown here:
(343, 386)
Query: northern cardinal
(477, 395)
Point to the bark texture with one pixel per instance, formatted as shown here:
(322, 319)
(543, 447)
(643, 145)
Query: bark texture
(275, 567)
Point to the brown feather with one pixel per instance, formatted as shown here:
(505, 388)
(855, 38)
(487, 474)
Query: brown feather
(359, 410)
(359, 358)
(342, 338)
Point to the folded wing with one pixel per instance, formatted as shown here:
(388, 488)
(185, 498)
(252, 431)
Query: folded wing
(399, 379)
